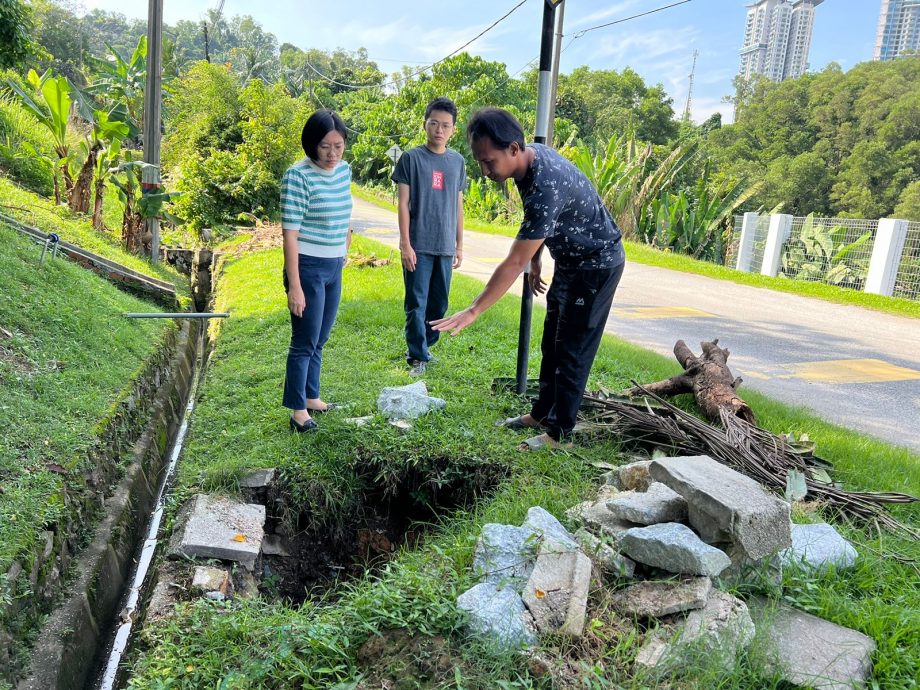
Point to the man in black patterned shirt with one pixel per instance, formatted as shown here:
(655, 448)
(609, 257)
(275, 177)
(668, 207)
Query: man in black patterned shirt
(563, 211)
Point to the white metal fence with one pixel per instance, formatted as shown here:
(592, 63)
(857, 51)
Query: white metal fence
(878, 256)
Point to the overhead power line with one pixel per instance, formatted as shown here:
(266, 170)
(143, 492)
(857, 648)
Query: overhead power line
(482, 33)
(626, 19)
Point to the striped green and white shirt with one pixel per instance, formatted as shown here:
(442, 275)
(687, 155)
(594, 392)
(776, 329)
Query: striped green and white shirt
(316, 203)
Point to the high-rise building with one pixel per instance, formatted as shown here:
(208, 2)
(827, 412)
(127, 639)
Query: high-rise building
(777, 38)
(898, 29)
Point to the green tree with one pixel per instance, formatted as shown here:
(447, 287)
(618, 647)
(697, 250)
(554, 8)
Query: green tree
(908, 206)
(15, 29)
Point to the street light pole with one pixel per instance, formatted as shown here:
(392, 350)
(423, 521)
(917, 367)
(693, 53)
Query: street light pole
(545, 110)
(150, 181)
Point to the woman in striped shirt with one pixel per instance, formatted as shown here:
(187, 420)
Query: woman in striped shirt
(316, 223)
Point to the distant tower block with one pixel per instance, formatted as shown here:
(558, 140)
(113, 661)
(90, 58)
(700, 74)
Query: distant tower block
(898, 29)
(777, 38)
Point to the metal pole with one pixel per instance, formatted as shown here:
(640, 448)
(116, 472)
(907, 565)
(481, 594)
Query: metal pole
(544, 95)
(176, 315)
(151, 176)
(557, 52)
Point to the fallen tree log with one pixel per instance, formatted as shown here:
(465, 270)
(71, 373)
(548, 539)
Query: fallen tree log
(708, 378)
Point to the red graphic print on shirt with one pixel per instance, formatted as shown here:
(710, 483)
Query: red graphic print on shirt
(437, 179)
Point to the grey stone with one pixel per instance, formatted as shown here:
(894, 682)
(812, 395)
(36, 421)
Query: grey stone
(258, 479)
(716, 633)
(550, 531)
(708, 528)
(557, 592)
(360, 421)
(219, 527)
(817, 547)
(812, 652)
(657, 599)
(757, 521)
(498, 614)
(610, 561)
(595, 516)
(207, 579)
(408, 402)
(675, 548)
(273, 545)
(215, 596)
(657, 504)
(401, 424)
(505, 554)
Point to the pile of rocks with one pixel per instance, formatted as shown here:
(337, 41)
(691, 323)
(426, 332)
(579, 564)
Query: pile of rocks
(670, 531)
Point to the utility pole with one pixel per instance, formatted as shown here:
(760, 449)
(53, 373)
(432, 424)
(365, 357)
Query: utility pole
(557, 53)
(150, 183)
(545, 109)
(207, 52)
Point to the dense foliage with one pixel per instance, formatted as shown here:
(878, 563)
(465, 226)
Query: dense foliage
(833, 143)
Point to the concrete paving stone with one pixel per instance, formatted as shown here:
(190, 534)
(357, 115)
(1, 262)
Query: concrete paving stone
(557, 592)
(656, 504)
(219, 527)
(811, 652)
(757, 520)
(657, 599)
(258, 479)
(675, 548)
(549, 529)
(817, 547)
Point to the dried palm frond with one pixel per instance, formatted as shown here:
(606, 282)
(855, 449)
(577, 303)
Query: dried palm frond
(755, 452)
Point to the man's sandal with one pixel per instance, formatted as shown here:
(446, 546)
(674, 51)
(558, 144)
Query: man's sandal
(516, 424)
(543, 441)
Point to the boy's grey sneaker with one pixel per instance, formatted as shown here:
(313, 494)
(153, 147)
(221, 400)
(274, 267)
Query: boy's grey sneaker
(417, 367)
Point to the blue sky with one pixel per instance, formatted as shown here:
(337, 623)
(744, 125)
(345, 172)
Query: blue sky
(659, 47)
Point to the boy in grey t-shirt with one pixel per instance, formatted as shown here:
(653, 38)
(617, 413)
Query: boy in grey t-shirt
(431, 181)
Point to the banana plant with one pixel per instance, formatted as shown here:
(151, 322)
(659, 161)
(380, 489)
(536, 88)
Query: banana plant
(121, 81)
(52, 110)
(823, 254)
(138, 207)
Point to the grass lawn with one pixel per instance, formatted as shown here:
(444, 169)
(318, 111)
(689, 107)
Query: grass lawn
(40, 212)
(67, 356)
(644, 254)
(458, 472)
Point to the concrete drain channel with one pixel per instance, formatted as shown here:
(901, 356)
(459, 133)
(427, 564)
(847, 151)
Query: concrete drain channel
(121, 577)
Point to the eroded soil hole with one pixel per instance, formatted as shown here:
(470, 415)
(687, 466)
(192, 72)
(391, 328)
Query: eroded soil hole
(300, 562)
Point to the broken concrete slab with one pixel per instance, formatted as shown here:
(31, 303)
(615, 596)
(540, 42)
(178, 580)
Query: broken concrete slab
(657, 504)
(408, 402)
(657, 599)
(766, 572)
(817, 547)
(557, 592)
(550, 531)
(273, 545)
(498, 614)
(219, 527)
(258, 479)
(716, 633)
(755, 519)
(207, 579)
(609, 560)
(595, 516)
(810, 651)
(675, 548)
(505, 554)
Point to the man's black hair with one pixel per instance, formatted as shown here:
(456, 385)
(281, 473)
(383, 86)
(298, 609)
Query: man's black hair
(497, 124)
(443, 104)
(318, 125)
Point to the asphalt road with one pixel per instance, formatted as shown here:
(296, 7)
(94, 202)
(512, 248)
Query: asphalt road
(851, 366)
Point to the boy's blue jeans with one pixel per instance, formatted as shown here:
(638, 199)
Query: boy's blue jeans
(427, 291)
(321, 280)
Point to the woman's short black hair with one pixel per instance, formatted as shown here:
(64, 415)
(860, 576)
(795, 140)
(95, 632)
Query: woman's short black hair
(318, 125)
(443, 104)
(497, 124)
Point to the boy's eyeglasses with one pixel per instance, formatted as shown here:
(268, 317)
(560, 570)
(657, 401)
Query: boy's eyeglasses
(439, 126)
